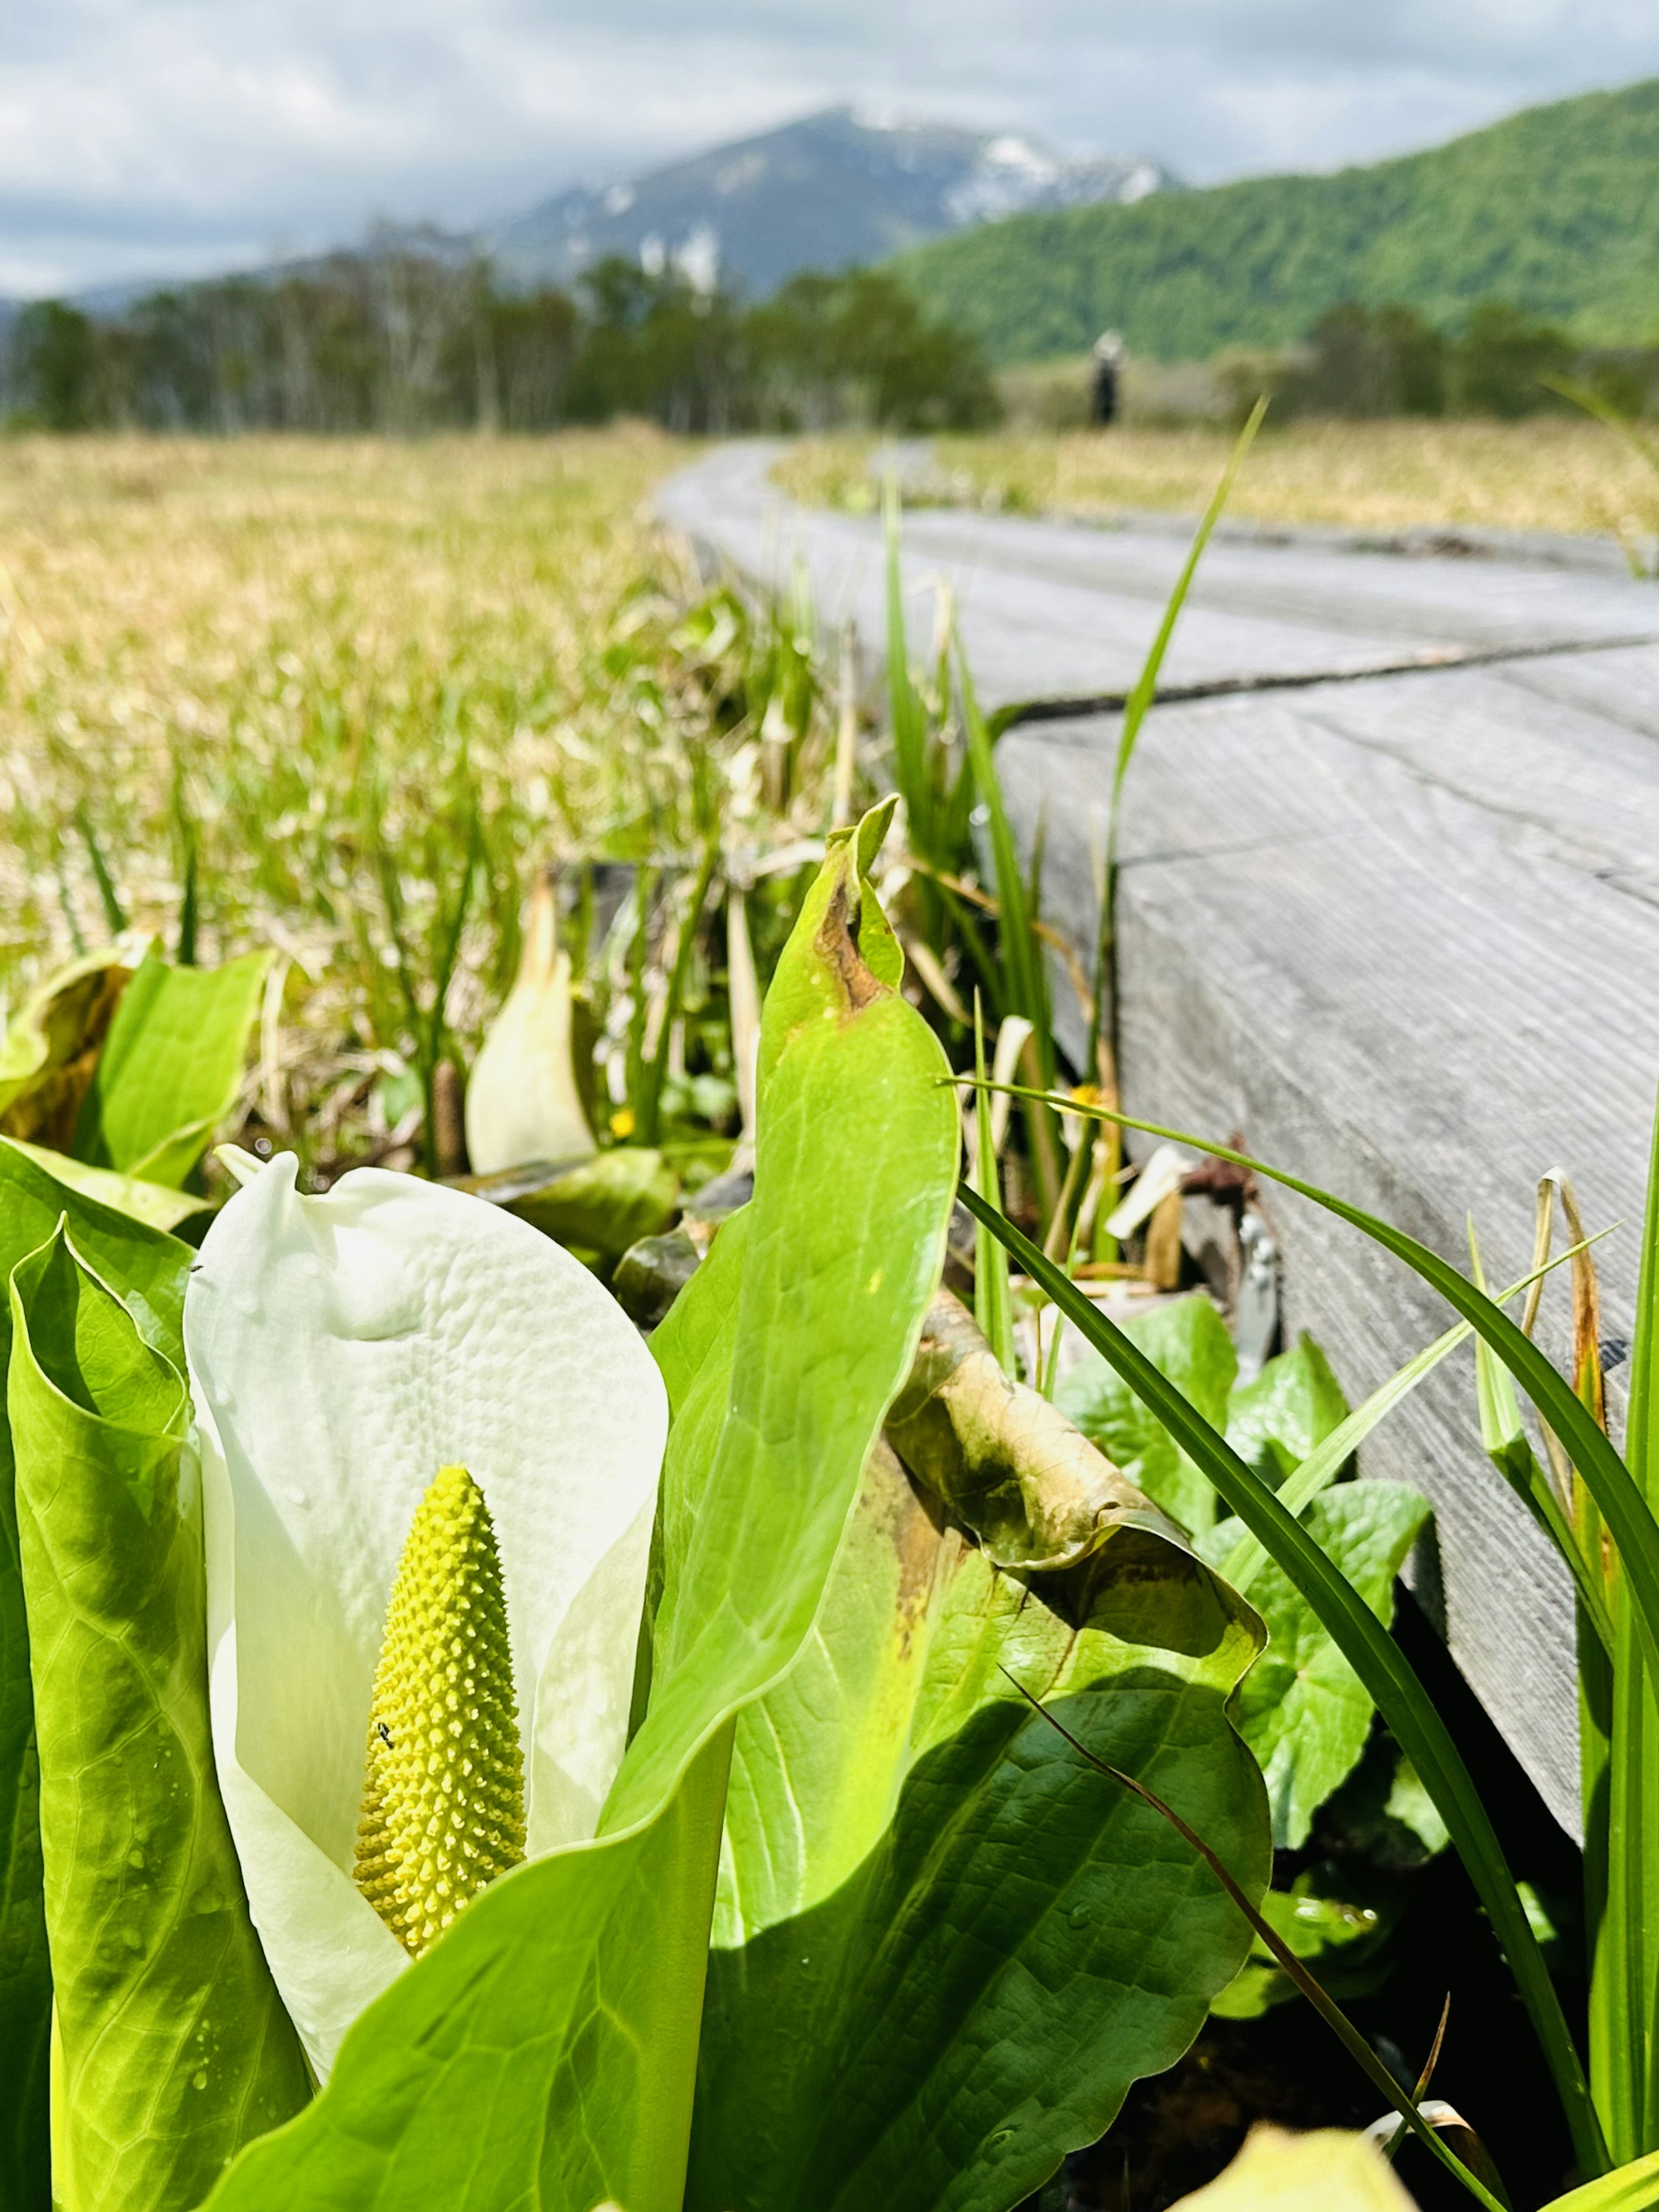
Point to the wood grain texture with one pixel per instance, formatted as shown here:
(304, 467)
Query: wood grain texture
(1404, 932)
(1061, 610)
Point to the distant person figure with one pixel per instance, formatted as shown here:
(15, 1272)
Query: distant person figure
(1105, 397)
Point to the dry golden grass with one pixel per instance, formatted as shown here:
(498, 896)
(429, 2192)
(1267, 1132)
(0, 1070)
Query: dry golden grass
(1549, 472)
(341, 699)
(203, 618)
(312, 689)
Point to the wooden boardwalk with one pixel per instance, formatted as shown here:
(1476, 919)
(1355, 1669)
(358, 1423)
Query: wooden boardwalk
(1390, 905)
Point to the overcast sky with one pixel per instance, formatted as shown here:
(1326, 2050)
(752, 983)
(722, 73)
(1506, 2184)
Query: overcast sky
(154, 137)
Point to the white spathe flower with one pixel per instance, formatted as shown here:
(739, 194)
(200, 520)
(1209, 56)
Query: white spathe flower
(343, 1349)
(522, 1102)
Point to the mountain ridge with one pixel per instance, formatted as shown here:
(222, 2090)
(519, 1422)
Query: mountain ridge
(1555, 208)
(828, 192)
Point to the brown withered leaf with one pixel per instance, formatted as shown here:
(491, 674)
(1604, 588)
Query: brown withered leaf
(49, 1053)
(1003, 1462)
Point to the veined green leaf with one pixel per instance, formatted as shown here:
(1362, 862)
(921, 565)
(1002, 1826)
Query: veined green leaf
(175, 2049)
(1276, 1423)
(1187, 1342)
(843, 1244)
(170, 1067)
(1302, 1709)
(150, 1270)
(152, 1203)
(1370, 1650)
(943, 1952)
(543, 2050)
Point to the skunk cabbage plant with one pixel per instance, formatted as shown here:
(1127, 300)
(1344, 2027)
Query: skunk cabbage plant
(389, 1355)
(609, 1824)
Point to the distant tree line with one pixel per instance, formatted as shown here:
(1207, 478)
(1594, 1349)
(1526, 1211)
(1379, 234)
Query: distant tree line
(407, 339)
(1362, 361)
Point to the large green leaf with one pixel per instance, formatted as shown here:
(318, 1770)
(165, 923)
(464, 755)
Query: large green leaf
(1276, 1422)
(544, 2051)
(170, 1068)
(174, 2047)
(1302, 1709)
(150, 1270)
(946, 1945)
(1187, 1341)
(152, 1203)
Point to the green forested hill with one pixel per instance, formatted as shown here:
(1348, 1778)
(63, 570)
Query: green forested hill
(1556, 210)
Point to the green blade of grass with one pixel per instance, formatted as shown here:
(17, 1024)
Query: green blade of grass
(1504, 1442)
(904, 706)
(648, 1127)
(1020, 956)
(1624, 1967)
(1026, 984)
(114, 913)
(1370, 1650)
(186, 830)
(992, 1299)
(1633, 2188)
(1135, 708)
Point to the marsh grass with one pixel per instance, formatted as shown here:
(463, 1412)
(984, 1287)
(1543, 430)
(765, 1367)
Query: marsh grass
(343, 698)
(1547, 472)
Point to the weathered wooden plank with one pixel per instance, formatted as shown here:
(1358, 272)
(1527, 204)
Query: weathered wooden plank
(1027, 631)
(1426, 599)
(1405, 935)
(1058, 611)
(1403, 932)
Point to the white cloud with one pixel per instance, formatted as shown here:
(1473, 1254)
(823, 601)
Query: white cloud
(174, 136)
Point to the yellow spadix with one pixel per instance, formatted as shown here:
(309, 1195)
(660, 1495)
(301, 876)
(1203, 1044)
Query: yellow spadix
(443, 1789)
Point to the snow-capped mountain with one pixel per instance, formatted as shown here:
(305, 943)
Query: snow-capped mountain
(826, 192)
